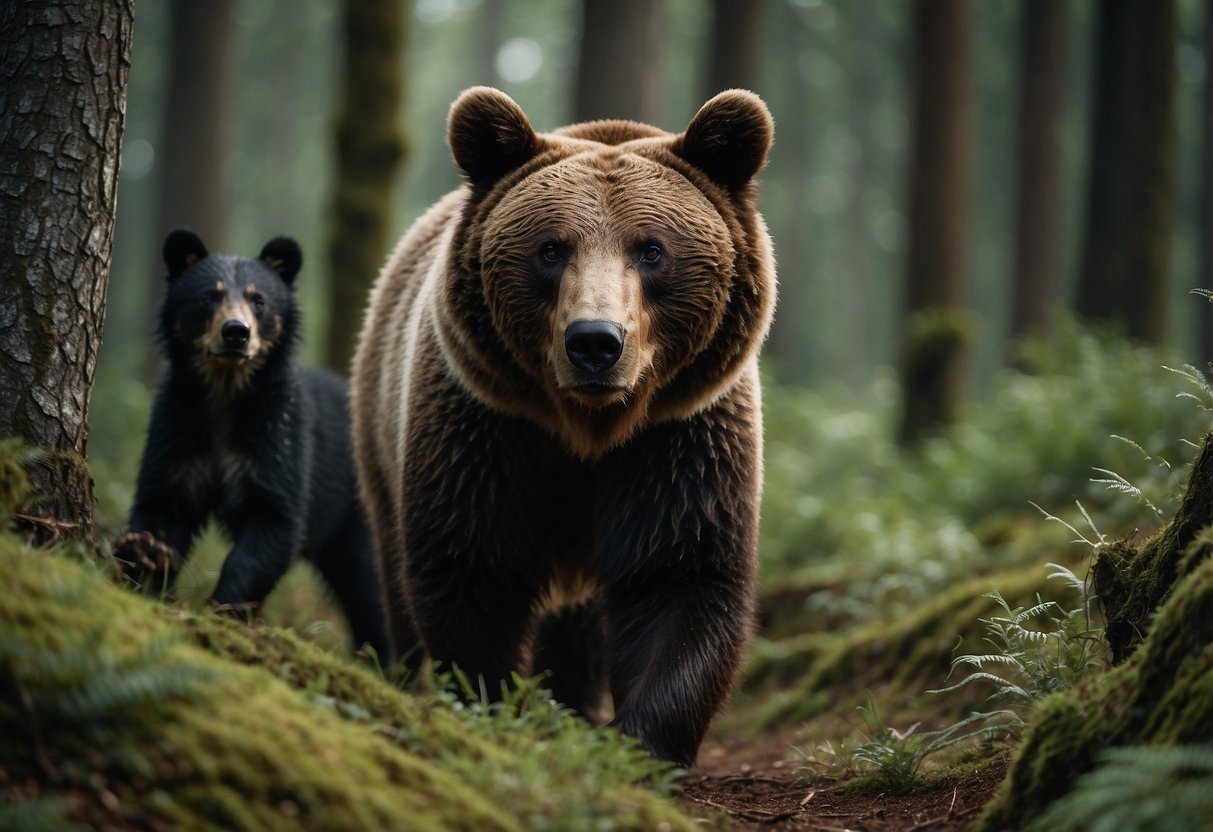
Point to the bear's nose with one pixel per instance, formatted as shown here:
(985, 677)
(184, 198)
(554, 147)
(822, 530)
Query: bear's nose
(593, 346)
(235, 334)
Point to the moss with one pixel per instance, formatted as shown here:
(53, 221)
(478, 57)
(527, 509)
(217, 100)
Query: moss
(912, 653)
(1161, 693)
(1132, 581)
(131, 714)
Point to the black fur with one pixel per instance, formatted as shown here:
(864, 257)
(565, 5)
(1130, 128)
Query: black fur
(256, 442)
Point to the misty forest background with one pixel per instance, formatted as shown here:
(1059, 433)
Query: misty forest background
(927, 212)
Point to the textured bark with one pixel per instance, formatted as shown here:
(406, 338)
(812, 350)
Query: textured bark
(939, 212)
(63, 73)
(734, 46)
(194, 150)
(1038, 197)
(619, 74)
(1132, 183)
(369, 151)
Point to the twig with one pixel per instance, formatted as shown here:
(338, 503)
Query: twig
(808, 797)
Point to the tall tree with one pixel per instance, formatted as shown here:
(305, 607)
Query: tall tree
(1038, 193)
(195, 138)
(619, 74)
(1130, 204)
(369, 150)
(734, 46)
(63, 73)
(1205, 233)
(935, 334)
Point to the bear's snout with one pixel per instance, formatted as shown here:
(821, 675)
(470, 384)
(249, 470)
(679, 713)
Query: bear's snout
(235, 334)
(593, 346)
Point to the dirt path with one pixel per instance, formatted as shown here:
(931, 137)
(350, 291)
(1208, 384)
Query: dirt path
(758, 789)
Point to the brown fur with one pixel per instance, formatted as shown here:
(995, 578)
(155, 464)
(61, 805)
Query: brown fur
(503, 476)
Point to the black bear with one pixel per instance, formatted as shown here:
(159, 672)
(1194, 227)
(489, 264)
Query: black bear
(240, 433)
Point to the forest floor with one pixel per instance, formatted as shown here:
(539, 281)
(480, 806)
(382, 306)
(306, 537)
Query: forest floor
(757, 786)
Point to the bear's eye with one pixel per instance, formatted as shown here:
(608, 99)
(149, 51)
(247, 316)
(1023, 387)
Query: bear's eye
(652, 254)
(258, 303)
(209, 301)
(549, 253)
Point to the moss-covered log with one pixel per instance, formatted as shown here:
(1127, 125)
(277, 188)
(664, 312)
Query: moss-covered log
(1131, 581)
(1161, 694)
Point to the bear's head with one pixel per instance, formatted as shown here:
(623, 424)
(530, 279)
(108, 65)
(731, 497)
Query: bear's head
(225, 316)
(609, 274)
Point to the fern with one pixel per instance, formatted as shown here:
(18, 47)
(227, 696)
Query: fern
(1138, 789)
(1040, 649)
(83, 686)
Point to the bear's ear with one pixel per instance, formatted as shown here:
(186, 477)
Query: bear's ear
(283, 255)
(489, 135)
(182, 249)
(728, 138)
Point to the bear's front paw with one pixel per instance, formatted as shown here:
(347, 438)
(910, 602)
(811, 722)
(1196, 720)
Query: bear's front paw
(147, 561)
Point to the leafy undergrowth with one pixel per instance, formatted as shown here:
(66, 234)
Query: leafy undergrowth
(1160, 695)
(121, 711)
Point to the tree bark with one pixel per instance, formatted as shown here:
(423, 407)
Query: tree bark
(63, 73)
(734, 46)
(619, 74)
(1127, 255)
(1038, 197)
(934, 342)
(194, 150)
(369, 151)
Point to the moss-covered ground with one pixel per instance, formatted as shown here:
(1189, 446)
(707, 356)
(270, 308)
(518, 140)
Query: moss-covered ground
(122, 712)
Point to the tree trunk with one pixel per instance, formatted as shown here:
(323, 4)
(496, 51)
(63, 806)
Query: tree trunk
(195, 139)
(1132, 183)
(734, 46)
(63, 73)
(935, 332)
(619, 74)
(369, 152)
(1205, 231)
(1038, 197)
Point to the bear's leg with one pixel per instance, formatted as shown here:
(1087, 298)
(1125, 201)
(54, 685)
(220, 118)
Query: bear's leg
(263, 552)
(348, 566)
(570, 645)
(676, 538)
(673, 655)
(472, 616)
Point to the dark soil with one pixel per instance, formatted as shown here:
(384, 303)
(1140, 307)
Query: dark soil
(757, 788)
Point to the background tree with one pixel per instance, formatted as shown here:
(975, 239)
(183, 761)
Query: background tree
(369, 150)
(1038, 202)
(734, 45)
(1131, 193)
(63, 74)
(195, 144)
(1204, 236)
(935, 323)
(619, 71)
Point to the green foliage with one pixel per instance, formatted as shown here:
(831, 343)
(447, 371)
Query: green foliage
(1034, 661)
(1138, 789)
(36, 816)
(889, 758)
(836, 485)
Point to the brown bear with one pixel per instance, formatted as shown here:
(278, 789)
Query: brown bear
(557, 420)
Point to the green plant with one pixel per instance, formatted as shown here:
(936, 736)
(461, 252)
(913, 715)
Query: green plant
(892, 758)
(1138, 789)
(1039, 649)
